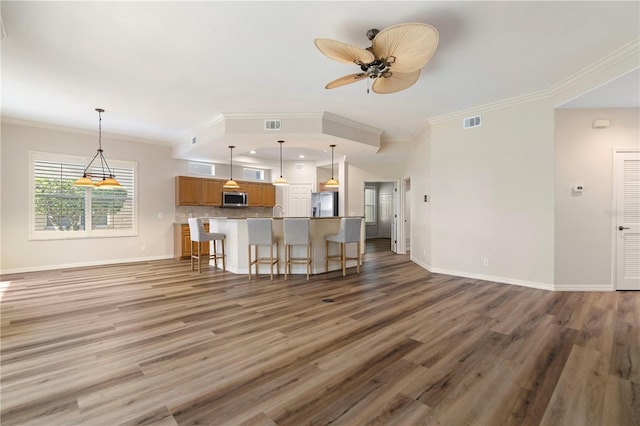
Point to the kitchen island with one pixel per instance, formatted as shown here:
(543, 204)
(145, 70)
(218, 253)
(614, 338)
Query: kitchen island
(236, 245)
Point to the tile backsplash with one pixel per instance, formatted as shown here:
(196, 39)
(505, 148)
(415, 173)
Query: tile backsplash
(184, 212)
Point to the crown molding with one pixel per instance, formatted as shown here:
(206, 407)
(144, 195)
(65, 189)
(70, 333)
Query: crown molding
(493, 106)
(350, 123)
(629, 52)
(78, 131)
(395, 139)
(616, 57)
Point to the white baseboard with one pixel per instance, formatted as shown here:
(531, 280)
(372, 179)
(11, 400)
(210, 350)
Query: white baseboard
(420, 263)
(583, 287)
(82, 264)
(490, 278)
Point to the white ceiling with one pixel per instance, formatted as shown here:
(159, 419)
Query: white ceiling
(161, 69)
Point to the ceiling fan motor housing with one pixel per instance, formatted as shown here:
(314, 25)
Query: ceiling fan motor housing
(372, 33)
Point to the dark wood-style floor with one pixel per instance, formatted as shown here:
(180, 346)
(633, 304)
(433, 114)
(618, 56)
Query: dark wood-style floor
(153, 343)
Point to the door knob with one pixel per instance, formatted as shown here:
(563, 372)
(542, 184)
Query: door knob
(620, 228)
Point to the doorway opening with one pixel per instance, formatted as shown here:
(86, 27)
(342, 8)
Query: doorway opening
(380, 216)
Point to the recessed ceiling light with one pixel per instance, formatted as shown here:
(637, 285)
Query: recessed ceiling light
(301, 156)
(252, 152)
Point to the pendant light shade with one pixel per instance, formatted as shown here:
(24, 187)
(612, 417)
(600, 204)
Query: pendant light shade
(281, 181)
(106, 180)
(231, 184)
(332, 183)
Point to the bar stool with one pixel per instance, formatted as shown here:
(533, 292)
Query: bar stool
(260, 233)
(296, 233)
(199, 235)
(349, 233)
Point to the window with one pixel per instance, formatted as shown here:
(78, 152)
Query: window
(370, 205)
(206, 169)
(60, 210)
(252, 174)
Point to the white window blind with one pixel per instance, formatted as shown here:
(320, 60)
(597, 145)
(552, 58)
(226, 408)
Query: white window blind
(61, 210)
(369, 205)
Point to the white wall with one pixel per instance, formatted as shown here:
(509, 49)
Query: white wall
(306, 174)
(420, 172)
(359, 173)
(491, 196)
(155, 195)
(584, 227)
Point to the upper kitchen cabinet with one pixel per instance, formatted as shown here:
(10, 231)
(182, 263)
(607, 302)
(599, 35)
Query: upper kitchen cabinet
(192, 191)
(267, 195)
(211, 192)
(254, 194)
(188, 191)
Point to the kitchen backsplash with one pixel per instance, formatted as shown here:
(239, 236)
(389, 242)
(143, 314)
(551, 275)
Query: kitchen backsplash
(184, 212)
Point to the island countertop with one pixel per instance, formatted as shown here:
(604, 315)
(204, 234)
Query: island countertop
(236, 246)
(185, 222)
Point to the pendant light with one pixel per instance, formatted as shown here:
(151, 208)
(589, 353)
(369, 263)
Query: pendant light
(332, 183)
(280, 181)
(107, 180)
(231, 184)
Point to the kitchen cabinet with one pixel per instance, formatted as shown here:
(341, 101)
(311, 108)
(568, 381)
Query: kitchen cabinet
(193, 191)
(254, 194)
(212, 192)
(182, 241)
(188, 191)
(267, 195)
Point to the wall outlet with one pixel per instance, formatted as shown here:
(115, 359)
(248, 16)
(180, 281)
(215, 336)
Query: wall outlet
(485, 262)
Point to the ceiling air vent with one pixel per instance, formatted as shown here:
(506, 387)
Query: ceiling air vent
(272, 124)
(470, 122)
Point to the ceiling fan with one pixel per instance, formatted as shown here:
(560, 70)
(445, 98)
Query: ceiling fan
(393, 61)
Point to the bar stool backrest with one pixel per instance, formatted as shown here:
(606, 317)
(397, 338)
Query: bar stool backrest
(196, 229)
(260, 231)
(296, 231)
(350, 229)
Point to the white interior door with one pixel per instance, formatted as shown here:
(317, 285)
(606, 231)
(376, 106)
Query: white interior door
(299, 202)
(386, 215)
(627, 188)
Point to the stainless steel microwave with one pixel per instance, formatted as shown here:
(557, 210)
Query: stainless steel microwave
(234, 199)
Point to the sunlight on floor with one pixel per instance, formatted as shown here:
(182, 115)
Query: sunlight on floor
(3, 286)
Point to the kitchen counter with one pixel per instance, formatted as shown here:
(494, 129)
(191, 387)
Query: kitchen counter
(236, 244)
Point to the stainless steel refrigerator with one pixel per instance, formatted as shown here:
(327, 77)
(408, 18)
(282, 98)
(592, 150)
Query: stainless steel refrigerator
(324, 204)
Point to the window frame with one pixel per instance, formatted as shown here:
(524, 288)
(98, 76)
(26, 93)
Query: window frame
(87, 233)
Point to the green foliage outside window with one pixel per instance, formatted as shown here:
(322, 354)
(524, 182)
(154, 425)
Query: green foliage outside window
(63, 204)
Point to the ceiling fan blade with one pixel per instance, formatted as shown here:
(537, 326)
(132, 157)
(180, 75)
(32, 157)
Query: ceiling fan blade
(347, 79)
(412, 45)
(343, 52)
(395, 83)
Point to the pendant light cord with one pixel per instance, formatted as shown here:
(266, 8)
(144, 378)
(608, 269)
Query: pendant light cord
(280, 142)
(103, 161)
(332, 146)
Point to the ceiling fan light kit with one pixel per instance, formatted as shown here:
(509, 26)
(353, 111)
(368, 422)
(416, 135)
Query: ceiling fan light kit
(394, 60)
